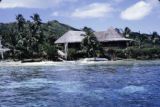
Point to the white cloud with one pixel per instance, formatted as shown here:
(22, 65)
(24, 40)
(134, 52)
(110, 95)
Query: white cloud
(139, 10)
(94, 10)
(31, 3)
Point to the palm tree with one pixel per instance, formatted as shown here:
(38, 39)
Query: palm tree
(20, 21)
(127, 32)
(90, 43)
(36, 21)
(37, 34)
(21, 31)
(36, 18)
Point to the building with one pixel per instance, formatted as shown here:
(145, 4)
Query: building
(112, 38)
(71, 38)
(109, 38)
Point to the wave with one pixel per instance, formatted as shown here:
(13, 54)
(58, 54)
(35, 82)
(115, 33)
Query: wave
(63, 86)
(132, 89)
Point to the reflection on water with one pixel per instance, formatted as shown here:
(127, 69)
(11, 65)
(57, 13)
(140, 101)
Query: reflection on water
(81, 85)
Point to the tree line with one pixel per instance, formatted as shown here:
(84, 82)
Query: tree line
(35, 39)
(31, 38)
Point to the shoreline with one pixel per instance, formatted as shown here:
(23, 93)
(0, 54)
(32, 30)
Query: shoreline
(70, 63)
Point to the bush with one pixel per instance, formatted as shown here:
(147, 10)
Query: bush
(50, 51)
(139, 53)
(72, 54)
(120, 53)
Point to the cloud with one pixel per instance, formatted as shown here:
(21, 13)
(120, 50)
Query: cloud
(139, 10)
(94, 10)
(31, 3)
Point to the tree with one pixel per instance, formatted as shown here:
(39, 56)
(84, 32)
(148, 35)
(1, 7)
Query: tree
(127, 32)
(155, 38)
(30, 36)
(90, 43)
(21, 30)
(37, 35)
(20, 21)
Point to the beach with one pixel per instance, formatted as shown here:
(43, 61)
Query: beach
(63, 63)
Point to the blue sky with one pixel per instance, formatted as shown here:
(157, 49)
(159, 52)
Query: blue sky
(139, 15)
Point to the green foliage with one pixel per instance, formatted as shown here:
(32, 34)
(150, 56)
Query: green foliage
(32, 39)
(139, 53)
(127, 32)
(54, 29)
(50, 51)
(90, 44)
(120, 53)
(35, 39)
(29, 36)
(72, 54)
(143, 40)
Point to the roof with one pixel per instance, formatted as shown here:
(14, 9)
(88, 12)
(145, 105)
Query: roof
(71, 37)
(3, 49)
(110, 35)
(104, 36)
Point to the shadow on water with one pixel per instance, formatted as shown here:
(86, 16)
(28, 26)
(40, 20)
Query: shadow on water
(25, 74)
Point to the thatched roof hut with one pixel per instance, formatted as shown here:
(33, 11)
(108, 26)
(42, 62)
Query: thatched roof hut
(71, 37)
(111, 35)
(109, 38)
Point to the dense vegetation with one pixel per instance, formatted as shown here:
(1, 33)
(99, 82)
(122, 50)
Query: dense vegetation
(147, 46)
(90, 45)
(34, 39)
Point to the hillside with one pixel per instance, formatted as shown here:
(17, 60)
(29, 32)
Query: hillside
(51, 28)
(55, 28)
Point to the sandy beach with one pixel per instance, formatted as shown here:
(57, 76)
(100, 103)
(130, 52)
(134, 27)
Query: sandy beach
(69, 63)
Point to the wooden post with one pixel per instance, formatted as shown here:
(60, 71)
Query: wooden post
(66, 50)
(2, 56)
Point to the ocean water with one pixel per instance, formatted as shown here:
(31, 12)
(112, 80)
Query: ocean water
(124, 84)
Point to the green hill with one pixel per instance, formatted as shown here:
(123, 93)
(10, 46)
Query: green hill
(56, 29)
(52, 29)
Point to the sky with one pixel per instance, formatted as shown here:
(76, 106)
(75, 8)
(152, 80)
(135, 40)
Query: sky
(139, 15)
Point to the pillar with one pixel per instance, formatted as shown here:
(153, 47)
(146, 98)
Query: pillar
(66, 50)
(2, 56)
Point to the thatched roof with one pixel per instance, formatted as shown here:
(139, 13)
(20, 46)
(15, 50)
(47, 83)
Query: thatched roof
(104, 36)
(110, 35)
(71, 37)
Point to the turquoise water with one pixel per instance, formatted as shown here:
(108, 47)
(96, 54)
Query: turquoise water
(135, 84)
